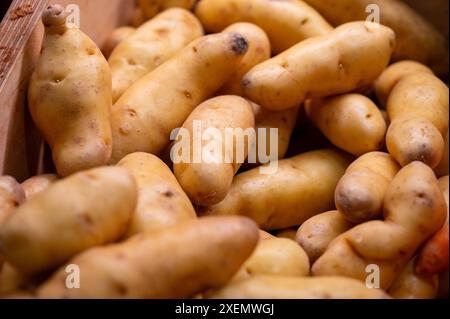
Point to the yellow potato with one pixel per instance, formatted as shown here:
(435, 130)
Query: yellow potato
(177, 262)
(152, 7)
(145, 115)
(11, 196)
(360, 192)
(150, 45)
(87, 209)
(285, 22)
(350, 57)
(208, 181)
(161, 201)
(299, 188)
(284, 287)
(442, 168)
(36, 184)
(418, 108)
(117, 36)
(417, 39)
(414, 209)
(315, 234)
(70, 96)
(351, 122)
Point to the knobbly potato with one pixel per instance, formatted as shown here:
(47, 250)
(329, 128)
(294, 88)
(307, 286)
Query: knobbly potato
(417, 39)
(285, 22)
(414, 209)
(177, 262)
(442, 168)
(360, 192)
(315, 234)
(117, 36)
(145, 115)
(36, 184)
(284, 287)
(87, 209)
(150, 8)
(11, 196)
(351, 122)
(418, 108)
(299, 188)
(350, 57)
(69, 96)
(150, 45)
(161, 201)
(208, 181)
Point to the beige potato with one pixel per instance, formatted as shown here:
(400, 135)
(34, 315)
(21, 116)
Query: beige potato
(177, 262)
(414, 209)
(360, 193)
(352, 122)
(285, 22)
(117, 36)
(315, 234)
(442, 168)
(36, 184)
(11, 196)
(87, 209)
(417, 39)
(299, 188)
(145, 115)
(150, 8)
(208, 181)
(69, 96)
(153, 43)
(350, 57)
(161, 201)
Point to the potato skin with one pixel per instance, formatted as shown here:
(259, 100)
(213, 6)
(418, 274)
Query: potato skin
(285, 22)
(414, 209)
(36, 184)
(208, 183)
(70, 96)
(442, 168)
(117, 36)
(11, 196)
(69, 216)
(302, 187)
(200, 254)
(145, 115)
(150, 45)
(150, 8)
(350, 57)
(360, 193)
(351, 122)
(161, 200)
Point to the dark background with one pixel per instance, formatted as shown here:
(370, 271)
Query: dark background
(4, 5)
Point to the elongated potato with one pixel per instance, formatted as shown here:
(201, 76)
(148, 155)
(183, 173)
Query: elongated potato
(150, 45)
(70, 96)
(117, 36)
(36, 184)
(416, 38)
(208, 180)
(360, 192)
(145, 115)
(315, 234)
(177, 262)
(414, 209)
(350, 57)
(351, 122)
(11, 196)
(418, 108)
(150, 8)
(284, 287)
(258, 51)
(442, 168)
(87, 209)
(299, 188)
(285, 22)
(161, 201)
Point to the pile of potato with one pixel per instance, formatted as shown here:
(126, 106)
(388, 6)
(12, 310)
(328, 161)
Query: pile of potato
(369, 190)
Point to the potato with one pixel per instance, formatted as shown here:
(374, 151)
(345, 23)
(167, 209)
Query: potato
(11, 196)
(70, 96)
(418, 107)
(416, 38)
(161, 200)
(12, 280)
(285, 22)
(285, 287)
(443, 185)
(152, 7)
(208, 181)
(258, 51)
(36, 184)
(288, 233)
(442, 168)
(176, 262)
(117, 36)
(150, 45)
(414, 209)
(263, 235)
(145, 115)
(350, 57)
(315, 234)
(138, 18)
(351, 122)
(360, 193)
(87, 209)
(299, 188)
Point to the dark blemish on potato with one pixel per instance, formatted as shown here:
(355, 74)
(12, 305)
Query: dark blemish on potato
(131, 62)
(245, 82)
(161, 31)
(195, 49)
(90, 51)
(368, 116)
(58, 79)
(121, 289)
(304, 21)
(168, 194)
(239, 44)
(187, 94)
(285, 65)
(86, 219)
